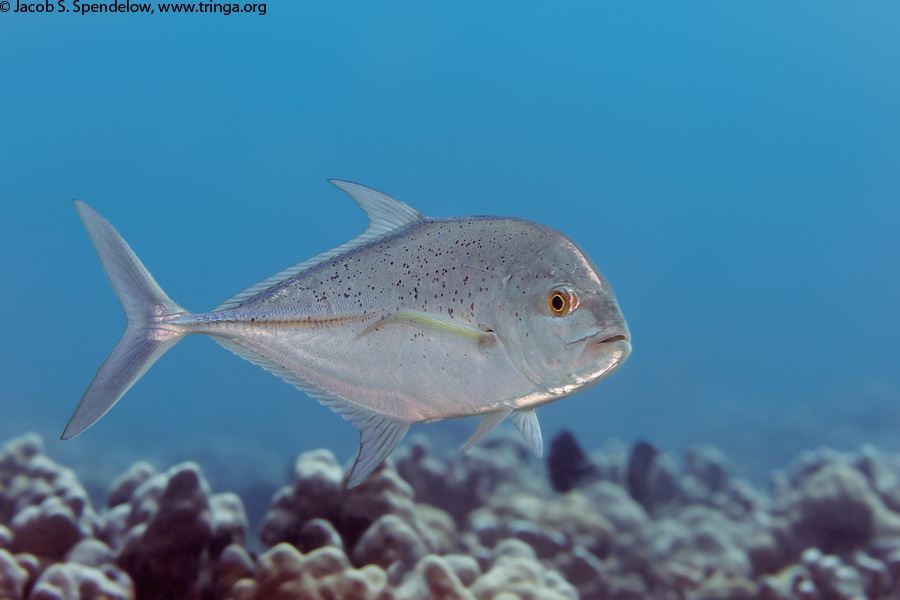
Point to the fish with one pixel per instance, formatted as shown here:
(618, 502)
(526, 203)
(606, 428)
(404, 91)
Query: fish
(414, 320)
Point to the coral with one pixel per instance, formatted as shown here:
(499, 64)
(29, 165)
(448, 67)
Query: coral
(43, 505)
(623, 523)
(442, 580)
(72, 581)
(822, 576)
(567, 464)
(379, 522)
(514, 570)
(835, 509)
(175, 529)
(283, 573)
(13, 576)
(708, 465)
(497, 466)
(387, 541)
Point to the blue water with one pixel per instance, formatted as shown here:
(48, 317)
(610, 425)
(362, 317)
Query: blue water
(732, 168)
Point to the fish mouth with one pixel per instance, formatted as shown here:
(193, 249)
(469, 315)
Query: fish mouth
(612, 347)
(616, 345)
(602, 353)
(603, 337)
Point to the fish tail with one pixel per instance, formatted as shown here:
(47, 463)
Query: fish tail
(147, 333)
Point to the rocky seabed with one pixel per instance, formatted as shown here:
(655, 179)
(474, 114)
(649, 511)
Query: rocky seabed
(621, 523)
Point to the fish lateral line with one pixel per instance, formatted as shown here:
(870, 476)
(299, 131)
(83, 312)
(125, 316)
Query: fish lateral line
(439, 322)
(299, 321)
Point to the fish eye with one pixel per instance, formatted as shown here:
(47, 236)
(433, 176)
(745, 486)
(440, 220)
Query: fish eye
(562, 301)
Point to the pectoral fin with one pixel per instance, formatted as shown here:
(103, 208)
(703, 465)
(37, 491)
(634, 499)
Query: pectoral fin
(527, 422)
(488, 424)
(433, 322)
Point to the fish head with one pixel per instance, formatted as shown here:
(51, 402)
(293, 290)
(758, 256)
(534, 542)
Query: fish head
(569, 332)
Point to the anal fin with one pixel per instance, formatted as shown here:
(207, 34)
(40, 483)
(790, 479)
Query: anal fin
(527, 422)
(378, 436)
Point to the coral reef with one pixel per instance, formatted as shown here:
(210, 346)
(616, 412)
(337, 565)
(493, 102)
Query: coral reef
(620, 523)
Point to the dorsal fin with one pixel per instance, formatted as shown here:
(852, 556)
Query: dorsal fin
(386, 216)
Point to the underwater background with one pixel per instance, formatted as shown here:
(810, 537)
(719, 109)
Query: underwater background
(733, 169)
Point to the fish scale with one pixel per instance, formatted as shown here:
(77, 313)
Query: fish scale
(415, 320)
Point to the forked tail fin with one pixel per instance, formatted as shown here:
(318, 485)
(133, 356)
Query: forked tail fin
(146, 336)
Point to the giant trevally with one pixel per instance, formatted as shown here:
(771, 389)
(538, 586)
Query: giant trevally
(416, 319)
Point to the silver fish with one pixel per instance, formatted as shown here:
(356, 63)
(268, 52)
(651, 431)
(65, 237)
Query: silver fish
(415, 320)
